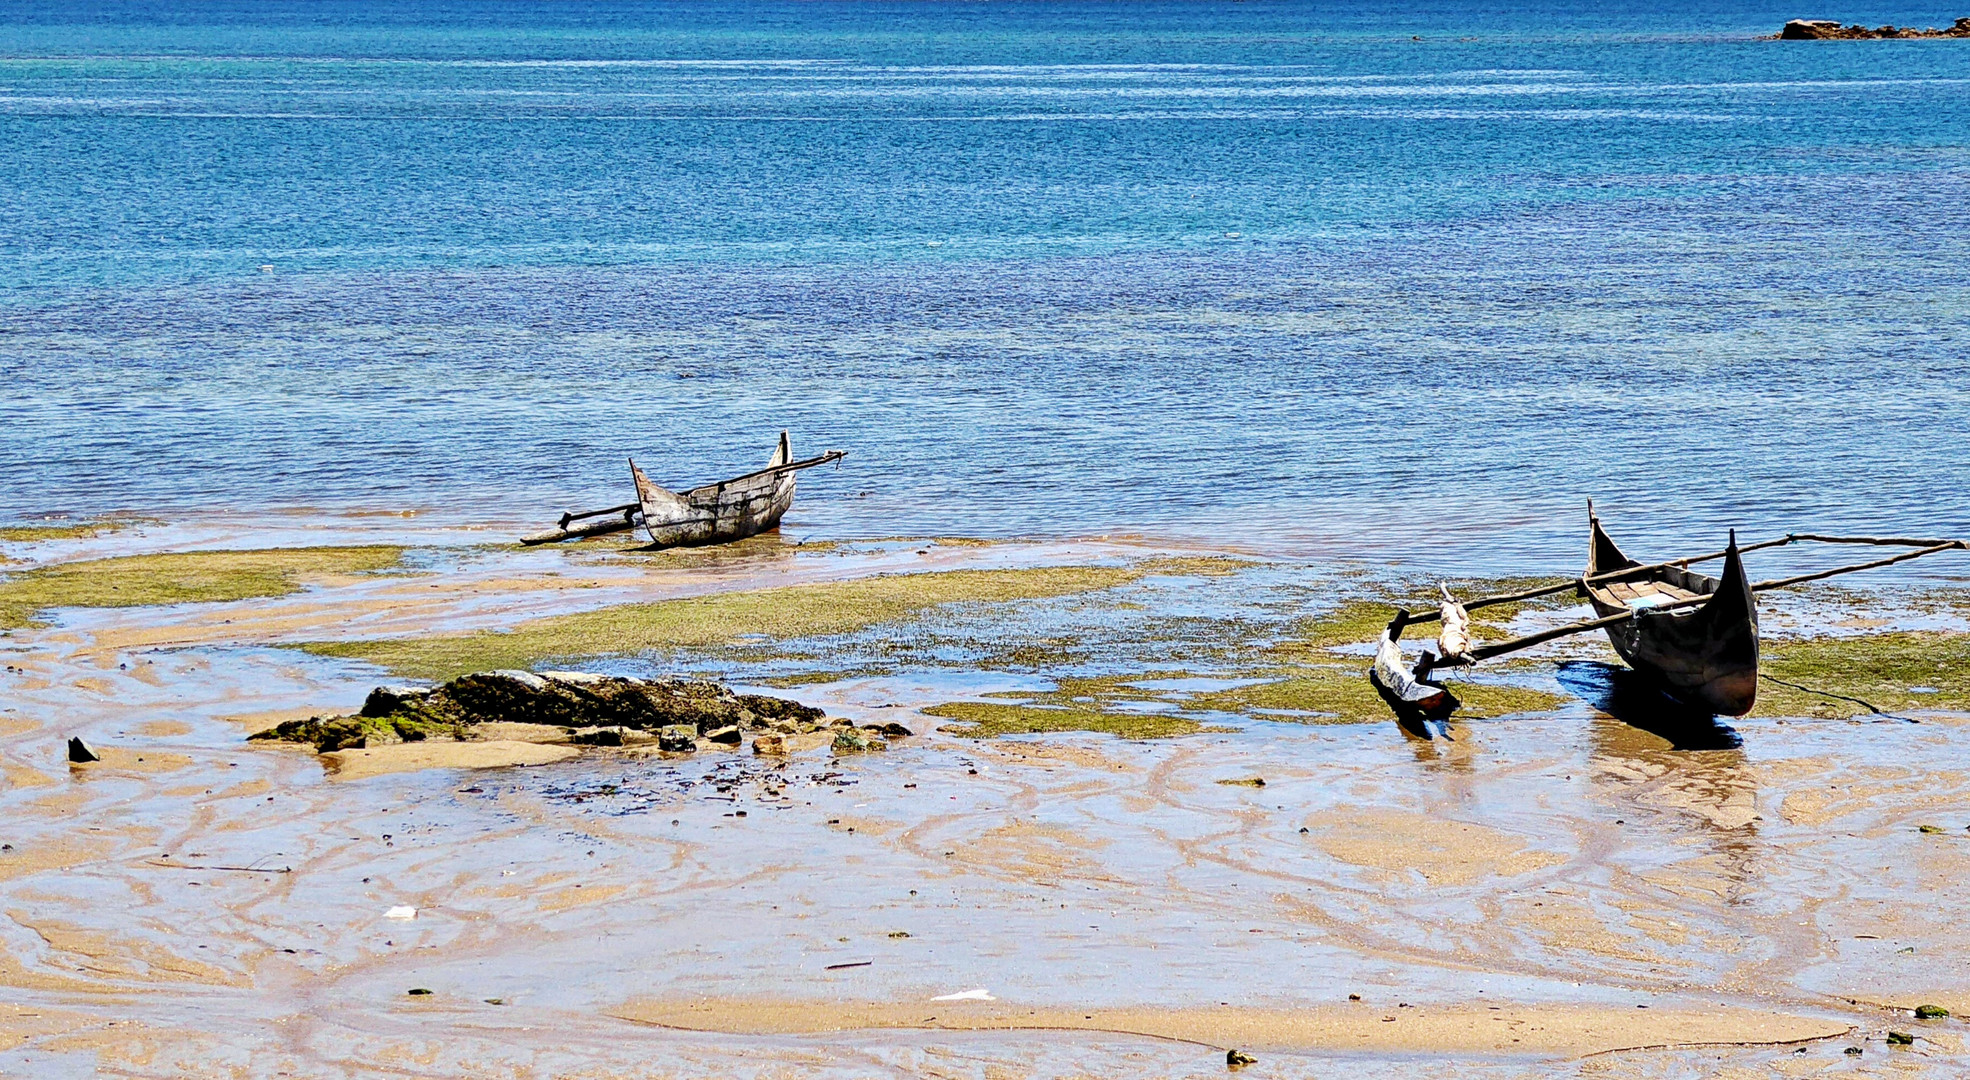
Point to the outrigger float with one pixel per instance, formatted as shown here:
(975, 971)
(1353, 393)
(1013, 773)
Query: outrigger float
(718, 513)
(1694, 636)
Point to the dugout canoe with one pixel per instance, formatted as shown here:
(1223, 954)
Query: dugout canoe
(727, 510)
(1705, 655)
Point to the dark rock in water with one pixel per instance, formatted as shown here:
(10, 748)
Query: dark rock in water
(1238, 1058)
(727, 735)
(1930, 1012)
(1830, 30)
(768, 709)
(1900, 1038)
(80, 753)
(388, 700)
(678, 738)
(891, 728)
(599, 737)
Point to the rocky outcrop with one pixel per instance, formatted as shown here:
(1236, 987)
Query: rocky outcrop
(1829, 30)
(599, 710)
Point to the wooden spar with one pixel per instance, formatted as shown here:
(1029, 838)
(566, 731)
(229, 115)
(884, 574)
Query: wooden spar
(1886, 541)
(1634, 571)
(598, 528)
(1939, 545)
(572, 516)
(1486, 652)
(818, 459)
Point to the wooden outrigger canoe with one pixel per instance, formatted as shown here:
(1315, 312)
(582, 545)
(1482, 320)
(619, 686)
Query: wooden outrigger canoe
(1703, 654)
(727, 510)
(1694, 636)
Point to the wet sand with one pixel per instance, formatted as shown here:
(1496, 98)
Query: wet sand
(195, 905)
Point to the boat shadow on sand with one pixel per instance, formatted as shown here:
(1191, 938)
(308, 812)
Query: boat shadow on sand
(1634, 700)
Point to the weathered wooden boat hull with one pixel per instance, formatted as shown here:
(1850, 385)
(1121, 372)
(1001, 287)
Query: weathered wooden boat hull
(718, 513)
(1705, 656)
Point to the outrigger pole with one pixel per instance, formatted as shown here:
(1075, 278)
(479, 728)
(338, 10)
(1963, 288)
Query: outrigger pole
(1789, 538)
(1429, 662)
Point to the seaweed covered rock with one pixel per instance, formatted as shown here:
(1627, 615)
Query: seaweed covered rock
(570, 699)
(356, 732)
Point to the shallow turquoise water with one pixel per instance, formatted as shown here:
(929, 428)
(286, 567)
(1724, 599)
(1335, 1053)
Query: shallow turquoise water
(1277, 273)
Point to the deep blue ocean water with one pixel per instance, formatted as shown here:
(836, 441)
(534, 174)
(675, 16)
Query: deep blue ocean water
(1274, 272)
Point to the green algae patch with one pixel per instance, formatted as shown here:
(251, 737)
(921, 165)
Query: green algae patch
(62, 530)
(767, 545)
(1360, 620)
(1316, 681)
(986, 720)
(786, 612)
(1342, 694)
(1355, 622)
(179, 577)
(1896, 672)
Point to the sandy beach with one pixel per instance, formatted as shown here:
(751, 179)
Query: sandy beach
(1553, 891)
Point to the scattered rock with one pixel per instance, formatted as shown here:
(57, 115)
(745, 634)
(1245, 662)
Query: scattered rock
(850, 741)
(80, 752)
(1238, 1059)
(1929, 828)
(1930, 1012)
(607, 736)
(1831, 30)
(727, 735)
(769, 743)
(678, 739)
(495, 1001)
(1853, 1051)
(1250, 781)
(892, 728)
(418, 991)
(1900, 1038)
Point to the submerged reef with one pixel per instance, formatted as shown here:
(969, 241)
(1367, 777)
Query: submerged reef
(1831, 30)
